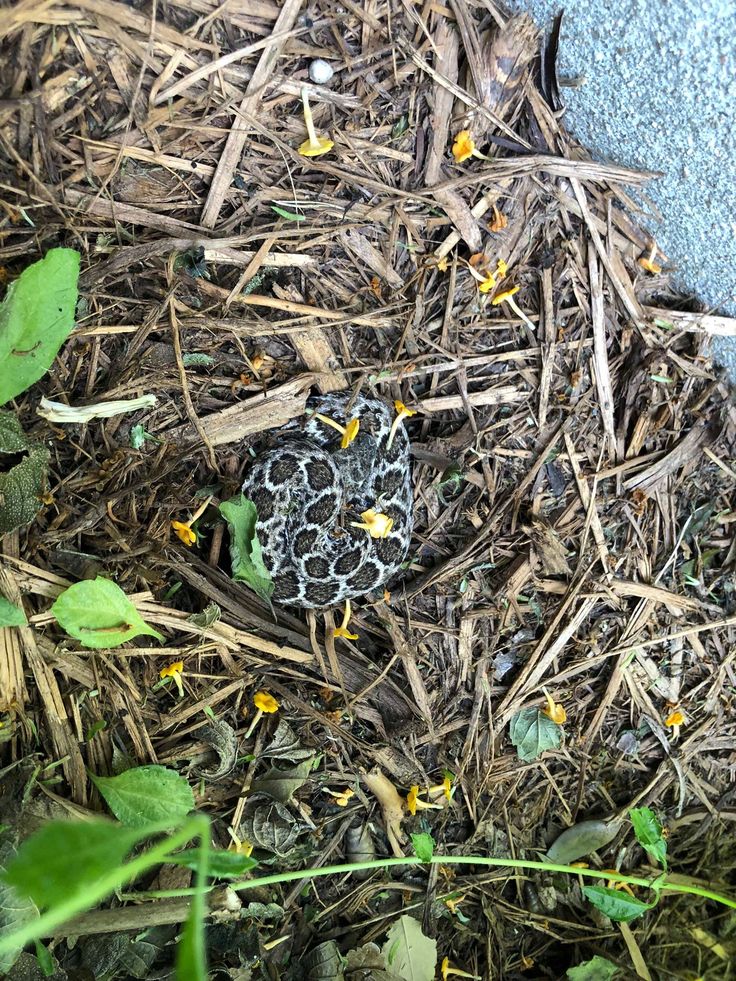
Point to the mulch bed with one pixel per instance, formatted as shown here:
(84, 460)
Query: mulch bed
(574, 480)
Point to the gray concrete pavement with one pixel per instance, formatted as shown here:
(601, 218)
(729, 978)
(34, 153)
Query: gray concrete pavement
(659, 92)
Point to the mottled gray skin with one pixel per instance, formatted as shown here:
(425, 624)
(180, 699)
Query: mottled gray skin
(657, 90)
(307, 490)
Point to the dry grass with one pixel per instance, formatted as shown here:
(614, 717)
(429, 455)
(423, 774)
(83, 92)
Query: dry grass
(575, 487)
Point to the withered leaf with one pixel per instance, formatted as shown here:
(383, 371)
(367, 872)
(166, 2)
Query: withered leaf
(268, 824)
(220, 735)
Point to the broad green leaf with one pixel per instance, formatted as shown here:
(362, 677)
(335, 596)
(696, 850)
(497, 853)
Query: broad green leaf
(289, 215)
(22, 486)
(222, 864)
(615, 904)
(648, 833)
(15, 910)
(532, 732)
(596, 969)
(423, 845)
(36, 317)
(97, 613)
(408, 953)
(582, 839)
(64, 858)
(146, 794)
(245, 549)
(10, 614)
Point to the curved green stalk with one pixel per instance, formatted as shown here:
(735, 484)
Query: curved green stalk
(659, 883)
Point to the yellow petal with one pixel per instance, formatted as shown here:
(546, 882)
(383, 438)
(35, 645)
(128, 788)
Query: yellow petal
(488, 283)
(265, 702)
(554, 710)
(184, 532)
(177, 667)
(411, 799)
(402, 409)
(650, 265)
(506, 295)
(351, 431)
(676, 718)
(377, 523)
(343, 632)
(463, 146)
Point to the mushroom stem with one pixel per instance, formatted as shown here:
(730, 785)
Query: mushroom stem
(308, 120)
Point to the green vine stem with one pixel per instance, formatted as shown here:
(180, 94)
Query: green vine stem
(659, 883)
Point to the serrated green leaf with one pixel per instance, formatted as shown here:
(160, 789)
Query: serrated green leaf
(582, 839)
(66, 857)
(97, 613)
(10, 614)
(615, 904)
(145, 795)
(408, 953)
(423, 845)
(596, 969)
(15, 911)
(648, 833)
(36, 317)
(222, 864)
(245, 549)
(22, 486)
(532, 732)
(289, 215)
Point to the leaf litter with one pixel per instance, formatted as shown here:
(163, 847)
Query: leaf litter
(573, 469)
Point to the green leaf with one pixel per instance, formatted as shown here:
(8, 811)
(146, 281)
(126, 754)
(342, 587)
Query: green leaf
(15, 910)
(66, 857)
(408, 953)
(22, 486)
(532, 732)
(289, 215)
(45, 960)
(648, 833)
(615, 904)
(36, 317)
(10, 614)
(97, 613)
(222, 864)
(146, 794)
(245, 549)
(423, 845)
(596, 969)
(582, 839)
(191, 955)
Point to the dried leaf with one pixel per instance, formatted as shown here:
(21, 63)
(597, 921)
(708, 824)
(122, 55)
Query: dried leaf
(268, 825)
(283, 784)
(285, 745)
(21, 487)
(392, 805)
(221, 737)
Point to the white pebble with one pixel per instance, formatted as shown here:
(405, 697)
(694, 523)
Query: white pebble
(320, 71)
